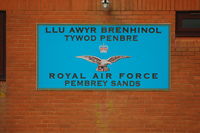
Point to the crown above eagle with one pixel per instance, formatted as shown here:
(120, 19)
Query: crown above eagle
(103, 48)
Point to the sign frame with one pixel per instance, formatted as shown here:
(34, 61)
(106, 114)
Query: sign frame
(106, 89)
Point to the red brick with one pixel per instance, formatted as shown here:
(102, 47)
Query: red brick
(31, 111)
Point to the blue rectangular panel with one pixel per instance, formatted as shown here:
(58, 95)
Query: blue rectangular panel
(96, 57)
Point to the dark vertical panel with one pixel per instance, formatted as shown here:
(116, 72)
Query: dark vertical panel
(2, 45)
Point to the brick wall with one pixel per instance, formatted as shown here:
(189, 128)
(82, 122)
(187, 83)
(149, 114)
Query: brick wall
(26, 110)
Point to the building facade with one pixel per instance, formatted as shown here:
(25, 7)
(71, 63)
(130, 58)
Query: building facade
(24, 109)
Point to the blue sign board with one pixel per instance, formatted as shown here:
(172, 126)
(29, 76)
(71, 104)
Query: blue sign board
(99, 57)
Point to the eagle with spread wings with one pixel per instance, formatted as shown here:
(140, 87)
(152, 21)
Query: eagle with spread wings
(102, 63)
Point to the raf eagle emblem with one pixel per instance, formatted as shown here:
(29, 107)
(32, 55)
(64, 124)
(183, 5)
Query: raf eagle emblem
(102, 63)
